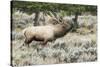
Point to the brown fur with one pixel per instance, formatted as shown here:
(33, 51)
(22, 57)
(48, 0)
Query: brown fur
(46, 33)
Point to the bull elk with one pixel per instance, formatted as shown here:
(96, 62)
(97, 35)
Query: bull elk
(48, 32)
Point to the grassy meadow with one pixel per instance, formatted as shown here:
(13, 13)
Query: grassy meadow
(78, 46)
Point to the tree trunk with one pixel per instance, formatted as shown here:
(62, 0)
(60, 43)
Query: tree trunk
(75, 21)
(36, 20)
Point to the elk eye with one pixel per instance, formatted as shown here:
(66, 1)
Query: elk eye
(63, 26)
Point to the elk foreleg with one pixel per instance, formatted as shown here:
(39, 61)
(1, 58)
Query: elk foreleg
(44, 42)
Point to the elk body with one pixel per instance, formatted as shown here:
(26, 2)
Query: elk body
(46, 33)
